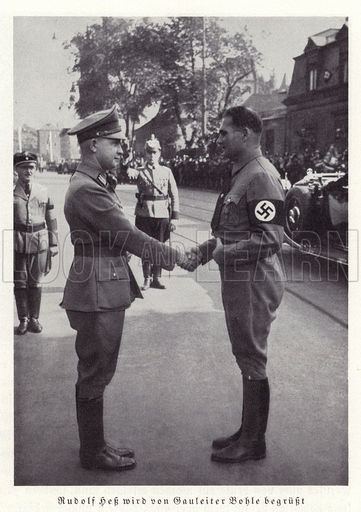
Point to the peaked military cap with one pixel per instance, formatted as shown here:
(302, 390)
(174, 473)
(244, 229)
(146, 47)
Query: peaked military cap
(105, 123)
(25, 157)
(152, 145)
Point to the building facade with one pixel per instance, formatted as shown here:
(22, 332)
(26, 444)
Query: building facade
(273, 113)
(317, 102)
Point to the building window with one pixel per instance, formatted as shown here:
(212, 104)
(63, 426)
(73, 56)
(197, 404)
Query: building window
(313, 79)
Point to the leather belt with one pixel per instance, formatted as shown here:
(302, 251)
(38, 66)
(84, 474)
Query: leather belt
(95, 250)
(229, 242)
(29, 228)
(146, 197)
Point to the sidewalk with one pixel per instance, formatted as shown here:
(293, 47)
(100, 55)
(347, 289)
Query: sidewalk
(176, 387)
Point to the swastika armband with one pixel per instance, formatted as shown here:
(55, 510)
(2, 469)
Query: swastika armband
(266, 211)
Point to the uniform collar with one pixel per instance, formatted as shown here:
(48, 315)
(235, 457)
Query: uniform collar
(257, 154)
(93, 171)
(151, 167)
(20, 192)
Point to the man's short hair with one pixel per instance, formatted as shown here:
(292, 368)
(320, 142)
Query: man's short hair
(244, 117)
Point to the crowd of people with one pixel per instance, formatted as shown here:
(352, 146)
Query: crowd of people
(209, 172)
(294, 166)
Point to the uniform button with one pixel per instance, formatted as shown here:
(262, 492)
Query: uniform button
(30, 221)
(114, 274)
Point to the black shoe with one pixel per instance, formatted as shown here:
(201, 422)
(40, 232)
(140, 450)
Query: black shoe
(108, 460)
(122, 452)
(241, 451)
(146, 284)
(22, 327)
(156, 283)
(223, 442)
(35, 326)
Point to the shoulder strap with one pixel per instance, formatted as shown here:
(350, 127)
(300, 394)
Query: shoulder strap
(141, 171)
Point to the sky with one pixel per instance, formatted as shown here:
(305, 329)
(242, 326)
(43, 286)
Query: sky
(42, 80)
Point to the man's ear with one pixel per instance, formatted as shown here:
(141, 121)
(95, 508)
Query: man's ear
(93, 145)
(246, 132)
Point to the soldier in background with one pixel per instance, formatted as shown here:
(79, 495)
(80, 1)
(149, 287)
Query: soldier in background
(35, 241)
(157, 209)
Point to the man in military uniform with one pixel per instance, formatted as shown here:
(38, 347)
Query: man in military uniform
(248, 231)
(157, 208)
(35, 241)
(100, 285)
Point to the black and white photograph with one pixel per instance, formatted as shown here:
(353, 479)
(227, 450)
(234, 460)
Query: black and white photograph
(177, 262)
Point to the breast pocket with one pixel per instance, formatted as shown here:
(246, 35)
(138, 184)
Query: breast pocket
(232, 209)
(113, 286)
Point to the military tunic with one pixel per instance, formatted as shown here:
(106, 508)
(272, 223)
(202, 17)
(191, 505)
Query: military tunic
(100, 285)
(157, 192)
(248, 220)
(35, 229)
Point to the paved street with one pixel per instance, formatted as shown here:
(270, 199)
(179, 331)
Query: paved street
(177, 385)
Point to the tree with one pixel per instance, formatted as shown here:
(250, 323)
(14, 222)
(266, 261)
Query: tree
(182, 85)
(232, 67)
(112, 69)
(139, 62)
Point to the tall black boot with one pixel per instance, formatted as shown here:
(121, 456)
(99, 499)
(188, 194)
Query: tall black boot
(21, 299)
(34, 299)
(222, 442)
(251, 444)
(94, 452)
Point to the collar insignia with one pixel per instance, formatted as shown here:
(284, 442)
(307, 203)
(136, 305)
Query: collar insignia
(101, 179)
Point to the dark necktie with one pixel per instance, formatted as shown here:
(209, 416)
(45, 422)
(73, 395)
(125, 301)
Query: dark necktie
(219, 205)
(27, 189)
(111, 181)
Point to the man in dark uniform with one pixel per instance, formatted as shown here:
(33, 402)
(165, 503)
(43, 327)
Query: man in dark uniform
(35, 241)
(157, 208)
(100, 284)
(248, 231)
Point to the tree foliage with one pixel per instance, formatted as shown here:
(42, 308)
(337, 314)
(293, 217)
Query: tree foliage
(138, 63)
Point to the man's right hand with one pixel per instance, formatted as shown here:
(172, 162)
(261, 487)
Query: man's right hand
(190, 260)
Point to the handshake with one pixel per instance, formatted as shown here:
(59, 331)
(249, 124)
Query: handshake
(189, 259)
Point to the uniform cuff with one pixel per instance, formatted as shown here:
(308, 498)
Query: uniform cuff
(175, 215)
